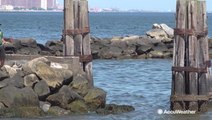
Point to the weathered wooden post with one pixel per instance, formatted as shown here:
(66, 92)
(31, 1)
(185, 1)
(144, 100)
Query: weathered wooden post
(68, 48)
(77, 34)
(191, 73)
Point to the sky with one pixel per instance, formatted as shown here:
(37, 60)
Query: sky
(155, 5)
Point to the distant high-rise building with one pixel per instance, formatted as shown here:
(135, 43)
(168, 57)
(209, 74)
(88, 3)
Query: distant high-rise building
(30, 4)
(43, 4)
(51, 4)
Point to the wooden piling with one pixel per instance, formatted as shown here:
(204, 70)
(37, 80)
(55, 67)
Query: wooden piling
(191, 73)
(86, 48)
(68, 48)
(77, 34)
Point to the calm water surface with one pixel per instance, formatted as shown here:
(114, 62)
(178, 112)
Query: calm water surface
(48, 26)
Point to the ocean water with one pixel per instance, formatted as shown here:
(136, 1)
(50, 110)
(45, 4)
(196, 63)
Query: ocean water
(49, 25)
(144, 84)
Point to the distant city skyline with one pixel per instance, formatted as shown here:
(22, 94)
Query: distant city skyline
(149, 5)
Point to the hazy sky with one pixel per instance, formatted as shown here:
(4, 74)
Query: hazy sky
(159, 5)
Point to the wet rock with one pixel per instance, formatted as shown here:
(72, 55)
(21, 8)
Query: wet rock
(21, 112)
(80, 84)
(30, 80)
(115, 109)
(58, 111)
(95, 98)
(64, 97)
(42, 89)
(13, 97)
(156, 54)
(78, 106)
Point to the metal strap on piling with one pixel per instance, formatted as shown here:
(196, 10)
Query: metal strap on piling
(193, 69)
(86, 58)
(76, 31)
(183, 32)
(189, 98)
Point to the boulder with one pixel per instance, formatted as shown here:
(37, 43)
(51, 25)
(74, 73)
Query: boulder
(16, 81)
(156, 54)
(42, 89)
(111, 52)
(115, 109)
(80, 84)
(143, 49)
(30, 80)
(169, 31)
(3, 83)
(13, 97)
(3, 74)
(9, 48)
(21, 112)
(28, 42)
(78, 106)
(30, 66)
(45, 72)
(26, 46)
(158, 34)
(67, 75)
(95, 98)
(55, 47)
(64, 97)
(58, 111)
(160, 47)
(10, 70)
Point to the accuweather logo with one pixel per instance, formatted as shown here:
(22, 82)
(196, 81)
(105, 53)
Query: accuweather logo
(168, 112)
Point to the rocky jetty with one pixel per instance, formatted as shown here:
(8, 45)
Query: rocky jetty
(156, 43)
(38, 88)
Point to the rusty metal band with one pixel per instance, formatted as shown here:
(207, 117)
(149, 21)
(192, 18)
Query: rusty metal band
(86, 58)
(77, 31)
(193, 69)
(183, 31)
(175, 98)
(189, 69)
(190, 32)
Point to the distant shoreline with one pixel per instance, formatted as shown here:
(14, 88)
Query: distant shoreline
(8, 11)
